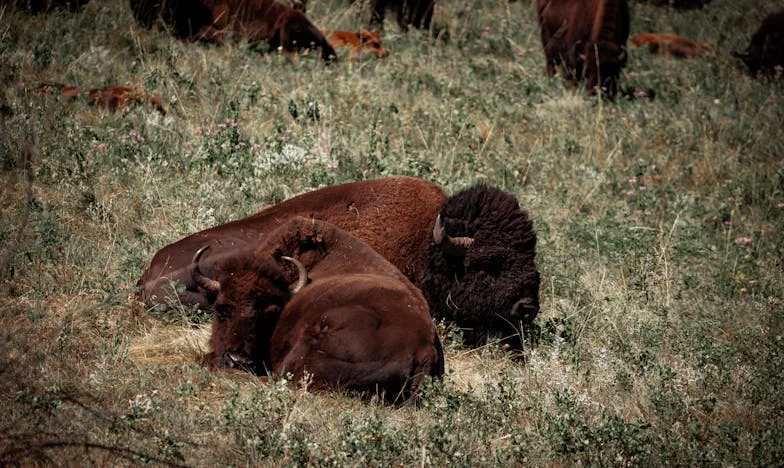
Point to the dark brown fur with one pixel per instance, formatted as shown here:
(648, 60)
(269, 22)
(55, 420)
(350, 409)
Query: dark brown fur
(495, 279)
(765, 53)
(359, 324)
(44, 6)
(418, 13)
(587, 38)
(670, 44)
(279, 25)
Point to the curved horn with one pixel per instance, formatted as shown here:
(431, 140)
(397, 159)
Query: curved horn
(456, 246)
(200, 278)
(303, 275)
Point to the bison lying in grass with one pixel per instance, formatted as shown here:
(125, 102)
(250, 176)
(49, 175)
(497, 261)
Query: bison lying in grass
(471, 254)
(347, 318)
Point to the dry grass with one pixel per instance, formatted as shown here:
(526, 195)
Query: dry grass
(660, 247)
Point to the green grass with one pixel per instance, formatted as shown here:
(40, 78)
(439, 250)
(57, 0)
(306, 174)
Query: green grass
(660, 241)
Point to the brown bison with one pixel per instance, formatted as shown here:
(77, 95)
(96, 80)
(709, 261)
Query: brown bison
(680, 4)
(471, 254)
(43, 6)
(109, 97)
(347, 318)
(362, 42)
(587, 38)
(670, 44)
(418, 13)
(765, 53)
(281, 26)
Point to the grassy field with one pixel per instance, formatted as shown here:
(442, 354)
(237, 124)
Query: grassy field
(660, 229)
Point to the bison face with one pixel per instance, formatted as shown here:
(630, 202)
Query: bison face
(250, 295)
(481, 272)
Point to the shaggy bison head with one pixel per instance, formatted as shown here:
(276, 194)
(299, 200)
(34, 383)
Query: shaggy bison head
(250, 295)
(481, 271)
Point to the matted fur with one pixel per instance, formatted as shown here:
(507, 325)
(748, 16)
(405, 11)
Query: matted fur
(479, 291)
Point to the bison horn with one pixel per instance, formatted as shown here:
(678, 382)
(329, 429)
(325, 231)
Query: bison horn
(200, 278)
(303, 274)
(455, 246)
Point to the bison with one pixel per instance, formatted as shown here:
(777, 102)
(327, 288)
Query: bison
(363, 41)
(281, 26)
(680, 4)
(44, 6)
(765, 53)
(670, 44)
(109, 97)
(347, 319)
(418, 13)
(471, 254)
(587, 38)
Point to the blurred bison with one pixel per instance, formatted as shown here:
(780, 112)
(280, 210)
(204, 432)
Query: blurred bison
(471, 254)
(765, 53)
(418, 13)
(364, 41)
(111, 98)
(279, 25)
(670, 44)
(587, 38)
(348, 319)
(43, 6)
(680, 4)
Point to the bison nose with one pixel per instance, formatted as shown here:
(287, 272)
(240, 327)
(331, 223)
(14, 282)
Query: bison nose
(524, 310)
(232, 359)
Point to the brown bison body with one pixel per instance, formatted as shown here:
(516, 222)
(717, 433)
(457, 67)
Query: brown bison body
(351, 321)
(109, 97)
(670, 44)
(477, 272)
(257, 20)
(418, 13)
(368, 42)
(587, 38)
(43, 6)
(680, 4)
(765, 53)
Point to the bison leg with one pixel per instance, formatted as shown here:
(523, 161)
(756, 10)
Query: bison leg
(208, 34)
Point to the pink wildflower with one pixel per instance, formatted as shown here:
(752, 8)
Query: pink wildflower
(743, 240)
(101, 146)
(642, 188)
(633, 180)
(629, 193)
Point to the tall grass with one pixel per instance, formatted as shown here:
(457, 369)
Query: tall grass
(660, 241)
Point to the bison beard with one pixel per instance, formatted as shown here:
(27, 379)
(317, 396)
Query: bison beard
(493, 290)
(765, 53)
(360, 324)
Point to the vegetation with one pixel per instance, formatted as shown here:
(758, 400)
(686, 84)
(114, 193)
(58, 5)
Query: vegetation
(660, 241)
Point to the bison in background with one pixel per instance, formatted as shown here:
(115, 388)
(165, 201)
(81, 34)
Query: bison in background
(279, 25)
(587, 38)
(348, 319)
(765, 53)
(670, 44)
(418, 13)
(368, 42)
(472, 254)
(44, 6)
(679, 4)
(111, 98)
